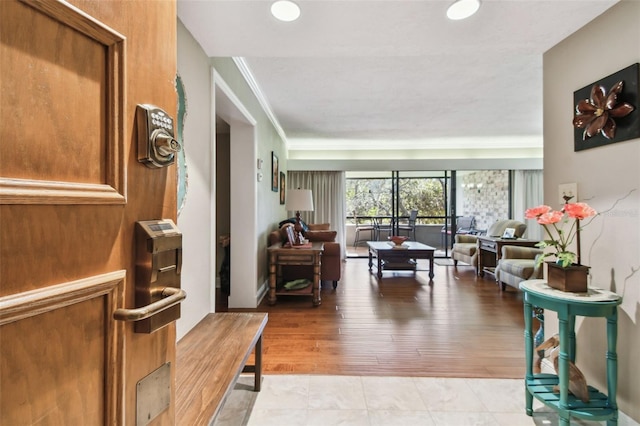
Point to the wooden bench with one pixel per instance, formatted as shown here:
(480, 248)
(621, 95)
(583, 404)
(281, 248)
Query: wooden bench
(210, 359)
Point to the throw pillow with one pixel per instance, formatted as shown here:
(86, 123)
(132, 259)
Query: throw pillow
(292, 220)
(305, 228)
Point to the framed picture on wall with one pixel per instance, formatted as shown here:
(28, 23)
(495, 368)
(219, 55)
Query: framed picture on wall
(283, 186)
(274, 172)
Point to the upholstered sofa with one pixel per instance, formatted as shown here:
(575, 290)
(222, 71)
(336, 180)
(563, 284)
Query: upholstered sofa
(465, 247)
(518, 264)
(331, 268)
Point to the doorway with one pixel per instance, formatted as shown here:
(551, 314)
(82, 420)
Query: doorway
(223, 211)
(242, 203)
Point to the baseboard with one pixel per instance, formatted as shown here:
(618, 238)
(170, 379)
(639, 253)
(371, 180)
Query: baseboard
(262, 291)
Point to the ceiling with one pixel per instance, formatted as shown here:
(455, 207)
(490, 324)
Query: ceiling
(359, 73)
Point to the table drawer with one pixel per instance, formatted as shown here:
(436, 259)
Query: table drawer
(488, 246)
(295, 259)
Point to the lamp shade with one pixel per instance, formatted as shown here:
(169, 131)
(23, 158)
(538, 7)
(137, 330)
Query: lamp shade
(299, 200)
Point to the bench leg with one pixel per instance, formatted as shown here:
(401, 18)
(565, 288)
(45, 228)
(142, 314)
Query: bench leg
(258, 366)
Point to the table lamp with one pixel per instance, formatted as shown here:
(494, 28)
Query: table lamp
(299, 200)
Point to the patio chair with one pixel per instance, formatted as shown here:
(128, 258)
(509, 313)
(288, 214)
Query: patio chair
(384, 225)
(464, 225)
(409, 226)
(367, 227)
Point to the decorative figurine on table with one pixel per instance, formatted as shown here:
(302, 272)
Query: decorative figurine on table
(577, 382)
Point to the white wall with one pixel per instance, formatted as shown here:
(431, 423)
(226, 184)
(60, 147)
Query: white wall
(194, 220)
(608, 179)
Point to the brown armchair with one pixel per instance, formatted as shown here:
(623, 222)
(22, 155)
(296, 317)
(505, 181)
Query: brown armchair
(331, 266)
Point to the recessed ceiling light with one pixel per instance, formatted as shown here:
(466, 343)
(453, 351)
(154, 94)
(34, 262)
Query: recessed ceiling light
(462, 9)
(285, 10)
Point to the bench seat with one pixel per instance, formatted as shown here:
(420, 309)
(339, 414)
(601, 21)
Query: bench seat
(210, 359)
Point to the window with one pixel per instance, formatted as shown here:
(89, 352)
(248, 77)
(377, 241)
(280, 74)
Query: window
(369, 196)
(374, 194)
(439, 196)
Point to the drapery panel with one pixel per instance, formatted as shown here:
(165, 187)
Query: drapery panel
(528, 192)
(329, 203)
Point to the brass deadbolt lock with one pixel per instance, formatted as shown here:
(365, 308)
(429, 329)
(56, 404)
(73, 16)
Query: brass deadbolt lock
(157, 146)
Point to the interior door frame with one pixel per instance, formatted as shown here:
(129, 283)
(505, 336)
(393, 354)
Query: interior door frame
(244, 194)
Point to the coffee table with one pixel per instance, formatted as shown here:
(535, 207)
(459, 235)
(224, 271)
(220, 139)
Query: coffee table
(392, 258)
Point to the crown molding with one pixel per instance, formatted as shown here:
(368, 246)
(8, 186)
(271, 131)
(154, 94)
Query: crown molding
(244, 69)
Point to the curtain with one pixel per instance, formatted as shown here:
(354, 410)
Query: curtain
(528, 192)
(328, 200)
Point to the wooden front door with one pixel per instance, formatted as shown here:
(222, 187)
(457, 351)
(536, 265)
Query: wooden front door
(71, 190)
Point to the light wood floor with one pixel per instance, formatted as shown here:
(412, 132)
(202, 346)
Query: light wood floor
(460, 326)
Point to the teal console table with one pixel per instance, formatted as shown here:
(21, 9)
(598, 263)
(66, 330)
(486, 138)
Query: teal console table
(598, 303)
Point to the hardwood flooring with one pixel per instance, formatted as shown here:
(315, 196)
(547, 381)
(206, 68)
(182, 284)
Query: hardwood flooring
(458, 326)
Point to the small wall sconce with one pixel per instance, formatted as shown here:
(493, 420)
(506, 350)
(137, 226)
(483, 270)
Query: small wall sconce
(471, 186)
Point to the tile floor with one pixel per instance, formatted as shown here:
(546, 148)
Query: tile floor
(290, 400)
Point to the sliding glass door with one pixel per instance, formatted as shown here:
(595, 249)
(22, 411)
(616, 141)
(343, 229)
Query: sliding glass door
(387, 199)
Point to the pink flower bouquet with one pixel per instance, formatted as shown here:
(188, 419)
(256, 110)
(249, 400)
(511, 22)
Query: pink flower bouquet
(556, 221)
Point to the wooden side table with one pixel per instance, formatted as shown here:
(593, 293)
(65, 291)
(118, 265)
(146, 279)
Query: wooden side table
(280, 256)
(598, 303)
(490, 251)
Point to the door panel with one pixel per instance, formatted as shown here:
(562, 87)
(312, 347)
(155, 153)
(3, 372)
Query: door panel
(52, 392)
(44, 119)
(71, 190)
(67, 370)
(67, 105)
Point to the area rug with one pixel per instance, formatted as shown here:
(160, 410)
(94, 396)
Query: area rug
(443, 262)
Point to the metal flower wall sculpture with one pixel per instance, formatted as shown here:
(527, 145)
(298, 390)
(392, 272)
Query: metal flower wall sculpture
(597, 114)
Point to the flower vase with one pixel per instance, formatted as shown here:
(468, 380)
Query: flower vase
(571, 278)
